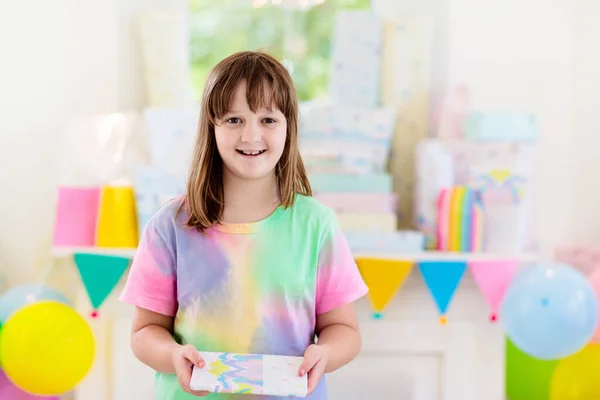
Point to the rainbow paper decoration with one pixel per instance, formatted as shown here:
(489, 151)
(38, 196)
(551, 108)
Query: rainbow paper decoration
(459, 220)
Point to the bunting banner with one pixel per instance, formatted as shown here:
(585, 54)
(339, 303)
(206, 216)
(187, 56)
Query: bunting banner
(384, 278)
(442, 279)
(100, 274)
(493, 278)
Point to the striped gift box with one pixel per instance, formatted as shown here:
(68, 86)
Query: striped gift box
(407, 242)
(368, 222)
(359, 202)
(351, 183)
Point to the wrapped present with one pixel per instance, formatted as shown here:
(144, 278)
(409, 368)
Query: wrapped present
(407, 65)
(503, 126)
(165, 58)
(356, 59)
(368, 222)
(252, 374)
(399, 242)
(335, 121)
(171, 137)
(435, 171)
(503, 173)
(153, 188)
(351, 183)
(453, 114)
(344, 155)
(586, 258)
(359, 202)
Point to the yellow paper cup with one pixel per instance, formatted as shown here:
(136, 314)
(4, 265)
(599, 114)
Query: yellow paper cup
(117, 218)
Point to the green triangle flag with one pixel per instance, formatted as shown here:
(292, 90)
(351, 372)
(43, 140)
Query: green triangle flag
(100, 274)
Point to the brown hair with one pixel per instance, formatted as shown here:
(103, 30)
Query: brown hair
(204, 192)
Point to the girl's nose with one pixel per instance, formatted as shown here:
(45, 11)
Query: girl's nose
(251, 133)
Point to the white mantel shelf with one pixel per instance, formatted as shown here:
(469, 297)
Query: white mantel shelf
(60, 252)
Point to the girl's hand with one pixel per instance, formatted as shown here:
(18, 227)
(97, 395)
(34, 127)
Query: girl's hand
(315, 361)
(184, 358)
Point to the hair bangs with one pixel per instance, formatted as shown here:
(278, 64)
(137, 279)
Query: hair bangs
(266, 89)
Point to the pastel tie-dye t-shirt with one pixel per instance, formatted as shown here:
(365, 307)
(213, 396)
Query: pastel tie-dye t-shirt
(245, 288)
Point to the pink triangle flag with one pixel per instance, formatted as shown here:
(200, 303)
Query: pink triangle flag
(493, 278)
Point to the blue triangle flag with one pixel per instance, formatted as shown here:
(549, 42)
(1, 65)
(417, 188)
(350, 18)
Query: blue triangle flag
(100, 274)
(442, 279)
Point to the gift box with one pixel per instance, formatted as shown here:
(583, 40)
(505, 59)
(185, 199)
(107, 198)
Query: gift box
(399, 242)
(351, 183)
(356, 156)
(502, 171)
(335, 121)
(435, 171)
(368, 222)
(503, 126)
(356, 59)
(172, 136)
(154, 187)
(253, 374)
(359, 202)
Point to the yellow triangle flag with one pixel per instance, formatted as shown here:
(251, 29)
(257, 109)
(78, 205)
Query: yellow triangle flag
(384, 278)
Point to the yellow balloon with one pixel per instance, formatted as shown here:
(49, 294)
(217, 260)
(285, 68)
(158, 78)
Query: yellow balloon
(47, 348)
(578, 377)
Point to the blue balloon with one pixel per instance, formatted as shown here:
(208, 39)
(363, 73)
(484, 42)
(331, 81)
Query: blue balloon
(20, 296)
(550, 311)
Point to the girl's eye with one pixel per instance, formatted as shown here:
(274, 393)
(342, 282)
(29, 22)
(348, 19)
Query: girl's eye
(269, 121)
(234, 120)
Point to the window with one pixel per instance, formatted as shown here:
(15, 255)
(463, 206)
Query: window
(300, 39)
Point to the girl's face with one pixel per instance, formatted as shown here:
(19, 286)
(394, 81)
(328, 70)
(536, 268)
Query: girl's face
(250, 144)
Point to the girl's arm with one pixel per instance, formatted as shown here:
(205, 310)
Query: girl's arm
(338, 334)
(153, 344)
(152, 340)
(338, 343)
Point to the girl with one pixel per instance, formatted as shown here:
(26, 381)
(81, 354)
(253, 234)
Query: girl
(246, 261)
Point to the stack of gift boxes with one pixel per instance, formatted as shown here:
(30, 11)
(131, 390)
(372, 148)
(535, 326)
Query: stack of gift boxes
(346, 142)
(488, 154)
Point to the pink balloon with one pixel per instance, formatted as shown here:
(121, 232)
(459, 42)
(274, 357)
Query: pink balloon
(595, 281)
(8, 390)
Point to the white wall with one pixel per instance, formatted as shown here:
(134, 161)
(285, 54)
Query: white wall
(518, 54)
(45, 62)
(59, 59)
(80, 56)
(586, 76)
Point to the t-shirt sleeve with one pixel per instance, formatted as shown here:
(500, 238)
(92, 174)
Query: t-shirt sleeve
(339, 281)
(151, 283)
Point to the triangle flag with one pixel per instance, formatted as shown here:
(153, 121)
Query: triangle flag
(384, 278)
(442, 279)
(100, 274)
(493, 278)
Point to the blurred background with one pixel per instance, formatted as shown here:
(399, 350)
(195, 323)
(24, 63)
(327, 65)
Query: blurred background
(404, 103)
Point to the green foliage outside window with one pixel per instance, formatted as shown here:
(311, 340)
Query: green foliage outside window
(301, 39)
